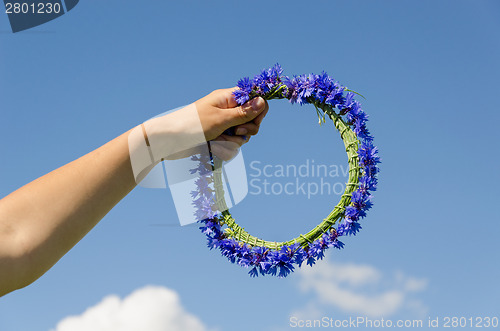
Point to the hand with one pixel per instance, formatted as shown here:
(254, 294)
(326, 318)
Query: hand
(179, 134)
(218, 112)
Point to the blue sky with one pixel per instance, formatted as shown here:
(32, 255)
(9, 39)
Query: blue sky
(429, 71)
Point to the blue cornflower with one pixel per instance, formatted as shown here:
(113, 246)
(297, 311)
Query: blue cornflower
(338, 244)
(275, 73)
(245, 255)
(368, 154)
(285, 269)
(364, 135)
(360, 125)
(315, 249)
(348, 102)
(371, 170)
(319, 246)
(258, 254)
(352, 212)
(254, 272)
(260, 259)
(292, 88)
(228, 249)
(324, 86)
(353, 112)
(349, 227)
(281, 262)
(367, 183)
(307, 87)
(361, 202)
(336, 98)
(300, 87)
(194, 194)
(332, 236)
(214, 241)
(354, 227)
(263, 82)
(207, 228)
(203, 184)
(341, 229)
(202, 169)
(358, 113)
(298, 254)
(211, 227)
(245, 86)
(205, 208)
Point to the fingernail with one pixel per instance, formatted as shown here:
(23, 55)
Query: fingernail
(258, 103)
(241, 131)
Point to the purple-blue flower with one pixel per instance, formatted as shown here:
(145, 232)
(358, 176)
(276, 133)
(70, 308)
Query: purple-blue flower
(245, 86)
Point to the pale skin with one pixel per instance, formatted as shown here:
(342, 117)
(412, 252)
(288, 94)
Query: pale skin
(44, 219)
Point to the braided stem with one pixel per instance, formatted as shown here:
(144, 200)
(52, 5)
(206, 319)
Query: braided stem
(351, 144)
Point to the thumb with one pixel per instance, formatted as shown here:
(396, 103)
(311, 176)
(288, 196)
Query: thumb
(246, 112)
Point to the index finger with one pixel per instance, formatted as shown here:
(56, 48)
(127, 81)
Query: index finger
(261, 116)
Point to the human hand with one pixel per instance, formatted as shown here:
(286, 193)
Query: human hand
(184, 132)
(218, 112)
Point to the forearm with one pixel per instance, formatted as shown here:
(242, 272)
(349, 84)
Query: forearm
(44, 219)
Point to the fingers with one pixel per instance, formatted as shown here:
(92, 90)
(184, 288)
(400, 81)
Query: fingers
(245, 113)
(247, 129)
(222, 152)
(219, 111)
(261, 116)
(252, 128)
(232, 142)
(226, 147)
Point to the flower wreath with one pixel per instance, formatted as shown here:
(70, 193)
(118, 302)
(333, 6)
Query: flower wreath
(278, 258)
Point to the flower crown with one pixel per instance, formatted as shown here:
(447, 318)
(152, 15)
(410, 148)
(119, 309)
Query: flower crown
(279, 258)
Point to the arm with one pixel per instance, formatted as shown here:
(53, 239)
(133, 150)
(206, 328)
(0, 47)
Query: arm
(44, 219)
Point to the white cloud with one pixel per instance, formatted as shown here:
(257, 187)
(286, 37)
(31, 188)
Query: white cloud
(359, 289)
(415, 285)
(310, 311)
(151, 308)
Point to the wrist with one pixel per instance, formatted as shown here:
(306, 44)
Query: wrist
(164, 137)
(174, 132)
